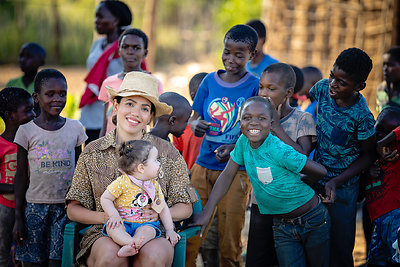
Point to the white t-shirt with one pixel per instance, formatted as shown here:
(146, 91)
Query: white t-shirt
(51, 158)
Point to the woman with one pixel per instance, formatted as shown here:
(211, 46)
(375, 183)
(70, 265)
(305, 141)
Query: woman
(112, 17)
(135, 105)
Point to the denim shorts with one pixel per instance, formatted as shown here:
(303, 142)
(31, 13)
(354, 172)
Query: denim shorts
(304, 240)
(131, 227)
(44, 233)
(384, 235)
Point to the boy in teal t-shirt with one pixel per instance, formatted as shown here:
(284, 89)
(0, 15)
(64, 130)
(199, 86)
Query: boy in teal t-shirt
(301, 221)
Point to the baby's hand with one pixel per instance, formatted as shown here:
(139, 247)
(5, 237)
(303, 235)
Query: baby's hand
(172, 236)
(114, 222)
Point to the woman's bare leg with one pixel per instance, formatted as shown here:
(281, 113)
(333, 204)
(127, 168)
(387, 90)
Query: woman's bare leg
(157, 252)
(104, 253)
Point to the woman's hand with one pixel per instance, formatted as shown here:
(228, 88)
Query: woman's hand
(172, 236)
(115, 221)
(150, 215)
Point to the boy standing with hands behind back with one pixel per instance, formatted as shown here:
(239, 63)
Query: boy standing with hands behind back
(345, 145)
(217, 105)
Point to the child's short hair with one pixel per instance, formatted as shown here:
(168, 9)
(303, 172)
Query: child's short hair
(394, 52)
(133, 152)
(196, 81)
(243, 33)
(11, 98)
(44, 75)
(259, 27)
(286, 71)
(312, 71)
(257, 99)
(356, 63)
(36, 49)
(176, 101)
(136, 32)
(119, 10)
(391, 112)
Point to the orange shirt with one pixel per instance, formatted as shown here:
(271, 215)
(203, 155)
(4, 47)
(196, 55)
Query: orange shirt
(189, 146)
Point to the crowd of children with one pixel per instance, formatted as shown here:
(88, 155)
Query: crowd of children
(249, 133)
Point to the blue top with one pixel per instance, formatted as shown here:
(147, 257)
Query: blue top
(257, 70)
(273, 169)
(339, 131)
(219, 102)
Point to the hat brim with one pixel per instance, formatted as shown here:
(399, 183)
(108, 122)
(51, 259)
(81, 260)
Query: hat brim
(161, 108)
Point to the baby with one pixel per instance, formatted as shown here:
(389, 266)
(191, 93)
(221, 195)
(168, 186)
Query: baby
(131, 193)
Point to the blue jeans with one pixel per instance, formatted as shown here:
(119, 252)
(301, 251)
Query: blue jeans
(303, 241)
(384, 235)
(343, 226)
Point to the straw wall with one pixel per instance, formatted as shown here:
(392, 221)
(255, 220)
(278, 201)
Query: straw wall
(314, 32)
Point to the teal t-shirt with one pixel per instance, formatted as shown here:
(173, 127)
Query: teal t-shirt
(273, 169)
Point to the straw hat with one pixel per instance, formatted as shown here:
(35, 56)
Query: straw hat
(141, 84)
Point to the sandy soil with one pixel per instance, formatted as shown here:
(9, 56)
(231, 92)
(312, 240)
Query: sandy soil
(174, 78)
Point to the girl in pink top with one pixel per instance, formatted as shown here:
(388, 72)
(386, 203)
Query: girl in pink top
(132, 49)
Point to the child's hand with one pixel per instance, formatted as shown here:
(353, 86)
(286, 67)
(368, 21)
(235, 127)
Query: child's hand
(222, 153)
(115, 221)
(330, 192)
(18, 231)
(200, 219)
(199, 127)
(374, 171)
(386, 154)
(172, 236)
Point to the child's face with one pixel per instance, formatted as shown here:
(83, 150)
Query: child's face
(271, 85)
(152, 165)
(28, 61)
(181, 121)
(132, 51)
(235, 56)
(52, 96)
(341, 86)
(384, 126)
(255, 123)
(24, 113)
(105, 22)
(391, 68)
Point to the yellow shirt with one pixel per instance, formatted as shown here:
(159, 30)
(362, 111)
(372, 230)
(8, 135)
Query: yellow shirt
(131, 199)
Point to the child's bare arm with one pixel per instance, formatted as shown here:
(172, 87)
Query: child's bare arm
(78, 151)
(166, 219)
(6, 188)
(314, 170)
(366, 158)
(106, 201)
(220, 188)
(20, 187)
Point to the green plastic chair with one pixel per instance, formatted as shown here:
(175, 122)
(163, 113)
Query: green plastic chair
(74, 232)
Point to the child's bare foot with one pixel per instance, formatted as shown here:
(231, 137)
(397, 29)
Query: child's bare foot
(127, 250)
(137, 242)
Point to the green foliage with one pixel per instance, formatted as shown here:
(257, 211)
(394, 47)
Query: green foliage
(33, 21)
(71, 107)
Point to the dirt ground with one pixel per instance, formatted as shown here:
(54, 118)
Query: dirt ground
(174, 78)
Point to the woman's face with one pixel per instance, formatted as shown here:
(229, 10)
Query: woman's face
(133, 114)
(104, 21)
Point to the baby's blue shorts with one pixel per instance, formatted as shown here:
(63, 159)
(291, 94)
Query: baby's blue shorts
(131, 227)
